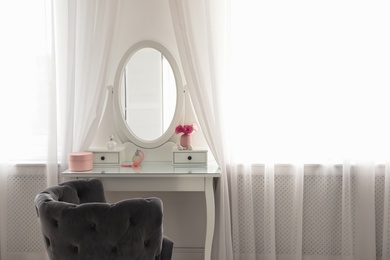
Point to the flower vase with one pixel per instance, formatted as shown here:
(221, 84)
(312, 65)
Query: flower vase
(185, 141)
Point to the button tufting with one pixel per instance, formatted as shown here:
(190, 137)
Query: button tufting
(93, 226)
(114, 249)
(131, 221)
(146, 243)
(76, 249)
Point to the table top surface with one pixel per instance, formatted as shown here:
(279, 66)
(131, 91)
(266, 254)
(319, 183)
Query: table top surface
(149, 169)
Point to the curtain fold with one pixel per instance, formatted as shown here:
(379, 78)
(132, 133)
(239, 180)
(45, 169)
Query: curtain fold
(201, 39)
(84, 40)
(385, 227)
(311, 212)
(364, 237)
(260, 196)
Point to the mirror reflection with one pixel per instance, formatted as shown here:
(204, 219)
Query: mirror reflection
(148, 94)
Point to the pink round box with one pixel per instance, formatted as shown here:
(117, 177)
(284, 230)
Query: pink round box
(80, 161)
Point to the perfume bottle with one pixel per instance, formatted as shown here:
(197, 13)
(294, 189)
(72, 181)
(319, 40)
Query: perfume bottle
(138, 157)
(111, 145)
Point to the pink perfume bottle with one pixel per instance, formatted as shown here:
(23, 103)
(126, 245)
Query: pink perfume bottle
(138, 157)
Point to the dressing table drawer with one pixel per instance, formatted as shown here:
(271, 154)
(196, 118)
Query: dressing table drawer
(197, 157)
(106, 157)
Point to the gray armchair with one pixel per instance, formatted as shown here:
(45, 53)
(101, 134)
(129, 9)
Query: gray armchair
(77, 223)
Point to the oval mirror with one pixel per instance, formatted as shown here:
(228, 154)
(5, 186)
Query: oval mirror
(148, 100)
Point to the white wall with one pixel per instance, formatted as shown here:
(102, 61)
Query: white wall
(184, 214)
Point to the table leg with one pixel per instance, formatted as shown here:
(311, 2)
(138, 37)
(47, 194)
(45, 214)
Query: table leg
(210, 218)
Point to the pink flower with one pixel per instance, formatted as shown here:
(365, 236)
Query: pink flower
(179, 129)
(186, 129)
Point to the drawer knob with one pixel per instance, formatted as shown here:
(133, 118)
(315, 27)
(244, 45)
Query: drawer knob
(102, 158)
(189, 158)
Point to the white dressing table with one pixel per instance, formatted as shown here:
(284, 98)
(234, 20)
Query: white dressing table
(160, 176)
(137, 119)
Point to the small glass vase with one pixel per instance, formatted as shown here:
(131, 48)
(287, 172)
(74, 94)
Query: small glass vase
(185, 141)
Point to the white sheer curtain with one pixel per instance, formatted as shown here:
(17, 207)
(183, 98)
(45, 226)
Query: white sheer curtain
(311, 212)
(26, 112)
(310, 134)
(302, 112)
(83, 58)
(201, 40)
(55, 60)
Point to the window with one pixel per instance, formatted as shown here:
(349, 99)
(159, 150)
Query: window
(310, 79)
(24, 106)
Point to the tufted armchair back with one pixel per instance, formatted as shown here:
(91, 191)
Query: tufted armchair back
(77, 223)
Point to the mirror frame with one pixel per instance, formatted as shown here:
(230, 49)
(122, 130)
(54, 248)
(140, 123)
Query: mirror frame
(125, 134)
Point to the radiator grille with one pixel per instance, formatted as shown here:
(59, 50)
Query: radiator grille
(322, 215)
(284, 200)
(23, 232)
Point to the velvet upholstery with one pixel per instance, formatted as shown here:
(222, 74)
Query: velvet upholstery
(77, 223)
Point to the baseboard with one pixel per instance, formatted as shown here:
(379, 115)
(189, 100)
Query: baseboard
(26, 256)
(179, 253)
(188, 253)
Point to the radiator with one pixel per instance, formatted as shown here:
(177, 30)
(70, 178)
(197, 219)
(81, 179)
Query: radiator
(322, 214)
(23, 231)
